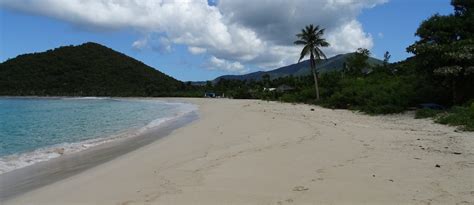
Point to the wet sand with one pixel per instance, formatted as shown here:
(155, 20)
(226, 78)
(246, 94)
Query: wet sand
(28, 178)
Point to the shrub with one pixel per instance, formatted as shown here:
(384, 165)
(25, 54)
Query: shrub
(376, 94)
(459, 116)
(426, 113)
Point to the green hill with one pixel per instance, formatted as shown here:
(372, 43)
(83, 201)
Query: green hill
(299, 69)
(89, 69)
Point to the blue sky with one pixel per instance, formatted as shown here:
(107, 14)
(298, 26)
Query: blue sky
(388, 26)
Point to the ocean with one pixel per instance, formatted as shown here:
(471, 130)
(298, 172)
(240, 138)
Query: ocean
(38, 129)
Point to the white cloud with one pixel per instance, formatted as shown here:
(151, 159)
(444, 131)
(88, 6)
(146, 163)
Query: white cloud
(258, 33)
(221, 64)
(140, 44)
(162, 45)
(380, 35)
(196, 50)
(349, 37)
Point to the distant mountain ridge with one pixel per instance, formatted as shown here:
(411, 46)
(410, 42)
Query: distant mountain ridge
(299, 69)
(89, 69)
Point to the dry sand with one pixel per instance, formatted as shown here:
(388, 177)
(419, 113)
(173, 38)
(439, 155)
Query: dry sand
(255, 152)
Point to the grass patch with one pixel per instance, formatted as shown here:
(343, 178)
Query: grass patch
(426, 113)
(459, 116)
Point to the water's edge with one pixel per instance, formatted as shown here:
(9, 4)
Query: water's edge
(25, 179)
(19, 158)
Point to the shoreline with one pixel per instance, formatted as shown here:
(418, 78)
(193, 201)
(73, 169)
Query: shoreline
(257, 152)
(16, 161)
(41, 173)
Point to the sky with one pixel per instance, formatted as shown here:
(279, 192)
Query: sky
(195, 40)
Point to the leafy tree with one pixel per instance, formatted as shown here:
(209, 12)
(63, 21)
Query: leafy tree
(266, 80)
(312, 39)
(386, 58)
(358, 61)
(445, 50)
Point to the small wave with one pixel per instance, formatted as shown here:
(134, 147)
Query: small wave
(184, 108)
(85, 98)
(17, 161)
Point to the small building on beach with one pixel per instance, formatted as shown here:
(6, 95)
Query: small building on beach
(284, 88)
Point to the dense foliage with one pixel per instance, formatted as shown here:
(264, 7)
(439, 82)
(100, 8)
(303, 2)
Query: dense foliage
(462, 116)
(85, 70)
(445, 51)
(441, 72)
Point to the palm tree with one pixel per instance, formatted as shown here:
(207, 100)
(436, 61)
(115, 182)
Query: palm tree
(311, 38)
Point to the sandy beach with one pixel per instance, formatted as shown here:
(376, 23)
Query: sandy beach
(257, 152)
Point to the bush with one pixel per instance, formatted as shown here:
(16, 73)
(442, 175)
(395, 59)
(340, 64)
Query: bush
(459, 116)
(376, 94)
(306, 95)
(426, 113)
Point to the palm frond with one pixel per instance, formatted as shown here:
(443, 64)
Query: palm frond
(305, 52)
(300, 42)
(319, 53)
(311, 37)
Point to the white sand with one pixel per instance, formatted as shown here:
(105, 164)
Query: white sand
(255, 152)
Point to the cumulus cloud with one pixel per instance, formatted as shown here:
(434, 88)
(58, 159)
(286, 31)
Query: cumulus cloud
(349, 37)
(221, 64)
(196, 50)
(235, 32)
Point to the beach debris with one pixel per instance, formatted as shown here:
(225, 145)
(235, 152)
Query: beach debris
(417, 158)
(457, 153)
(438, 166)
(390, 180)
(312, 109)
(418, 139)
(300, 188)
(59, 151)
(373, 175)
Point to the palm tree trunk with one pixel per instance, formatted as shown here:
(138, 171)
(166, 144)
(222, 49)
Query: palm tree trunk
(313, 70)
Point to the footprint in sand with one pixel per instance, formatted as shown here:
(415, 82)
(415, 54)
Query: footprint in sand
(287, 201)
(465, 164)
(300, 188)
(320, 171)
(318, 179)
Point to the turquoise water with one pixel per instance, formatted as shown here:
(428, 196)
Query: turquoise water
(33, 130)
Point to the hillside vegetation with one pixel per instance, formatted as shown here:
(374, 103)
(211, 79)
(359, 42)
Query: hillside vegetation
(89, 69)
(335, 63)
